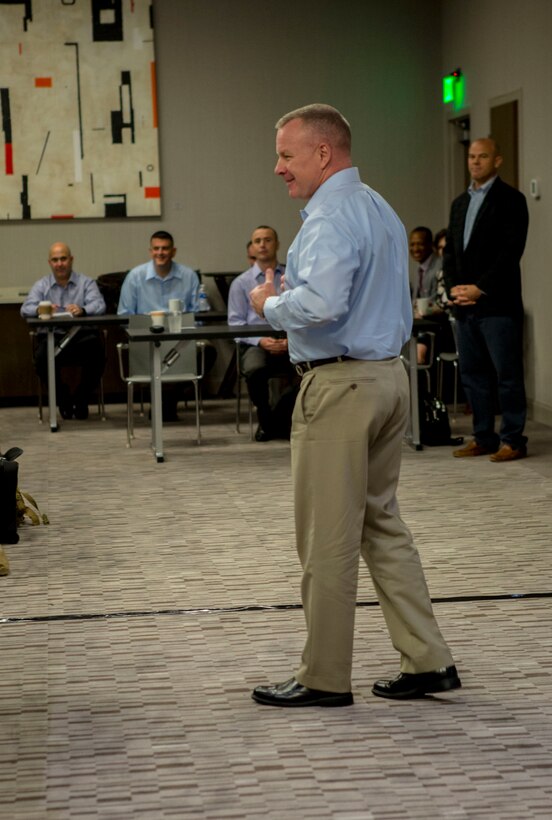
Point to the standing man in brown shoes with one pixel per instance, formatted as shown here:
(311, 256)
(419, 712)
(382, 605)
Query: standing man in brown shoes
(347, 312)
(485, 242)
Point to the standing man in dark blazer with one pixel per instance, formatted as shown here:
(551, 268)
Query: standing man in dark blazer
(485, 241)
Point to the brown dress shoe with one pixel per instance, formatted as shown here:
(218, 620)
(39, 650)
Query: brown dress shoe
(471, 449)
(507, 453)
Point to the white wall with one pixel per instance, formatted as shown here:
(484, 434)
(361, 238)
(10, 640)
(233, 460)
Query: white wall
(503, 48)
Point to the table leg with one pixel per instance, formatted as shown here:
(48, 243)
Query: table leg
(156, 401)
(414, 437)
(52, 404)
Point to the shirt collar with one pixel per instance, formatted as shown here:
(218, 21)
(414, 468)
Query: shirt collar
(152, 273)
(71, 281)
(483, 189)
(258, 273)
(337, 180)
(426, 263)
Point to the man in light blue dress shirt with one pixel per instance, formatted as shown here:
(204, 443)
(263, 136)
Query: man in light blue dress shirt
(79, 295)
(263, 360)
(347, 312)
(150, 286)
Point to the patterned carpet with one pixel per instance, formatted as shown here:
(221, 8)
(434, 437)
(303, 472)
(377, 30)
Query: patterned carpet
(133, 628)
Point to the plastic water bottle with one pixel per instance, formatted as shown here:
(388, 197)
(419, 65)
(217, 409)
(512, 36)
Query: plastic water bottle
(203, 300)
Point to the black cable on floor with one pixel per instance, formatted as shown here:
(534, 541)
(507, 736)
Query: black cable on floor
(98, 616)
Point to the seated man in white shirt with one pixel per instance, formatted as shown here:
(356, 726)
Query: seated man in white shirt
(149, 287)
(262, 359)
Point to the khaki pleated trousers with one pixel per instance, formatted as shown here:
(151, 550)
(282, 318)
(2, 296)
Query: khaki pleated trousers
(348, 426)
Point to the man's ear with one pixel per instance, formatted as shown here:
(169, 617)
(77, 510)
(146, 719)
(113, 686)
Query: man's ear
(325, 154)
(498, 161)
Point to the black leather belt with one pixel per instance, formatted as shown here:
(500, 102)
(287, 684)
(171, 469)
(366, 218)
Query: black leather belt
(304, 367)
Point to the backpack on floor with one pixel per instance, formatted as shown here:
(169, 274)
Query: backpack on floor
(27, 510)
(8, 494)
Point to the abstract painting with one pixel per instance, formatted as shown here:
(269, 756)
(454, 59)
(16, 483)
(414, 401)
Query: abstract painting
(78, 108)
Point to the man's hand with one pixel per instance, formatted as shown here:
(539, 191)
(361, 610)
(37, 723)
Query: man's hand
(74, 310)
(465, 295)
(274, 346)
(260, 294)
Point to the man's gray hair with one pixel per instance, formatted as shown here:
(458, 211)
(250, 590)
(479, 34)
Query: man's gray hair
(325, 121)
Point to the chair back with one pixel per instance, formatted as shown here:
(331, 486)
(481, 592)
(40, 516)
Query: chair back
(109, 285)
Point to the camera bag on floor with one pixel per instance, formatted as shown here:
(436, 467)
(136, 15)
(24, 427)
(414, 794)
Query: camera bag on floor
(8, 496)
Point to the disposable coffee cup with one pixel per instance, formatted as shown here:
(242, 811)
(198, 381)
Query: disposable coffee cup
(175, 305)
(422, 305)
(175, 322)
(157, 318)
(45, 310)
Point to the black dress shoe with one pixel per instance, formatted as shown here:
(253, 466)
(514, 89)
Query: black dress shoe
(406, 685)
(66, 411)
(292, 693)
(261, 435)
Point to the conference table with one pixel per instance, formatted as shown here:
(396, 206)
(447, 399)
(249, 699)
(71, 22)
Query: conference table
(70, 325)
(224, 331)
(205, 329)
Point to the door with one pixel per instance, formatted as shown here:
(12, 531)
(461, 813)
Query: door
(504, 129)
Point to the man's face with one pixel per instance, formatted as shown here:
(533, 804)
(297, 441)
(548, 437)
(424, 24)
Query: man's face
(264, 246)
(162, 252)
(419, 246)
(483, 161)
(61, 262)
(299, 161)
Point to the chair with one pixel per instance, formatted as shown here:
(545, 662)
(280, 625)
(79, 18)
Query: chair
(239, 390)
(428, 335)
(179, 364)
(428, 364)
(447, 357)
(39, 388)
(109, 285)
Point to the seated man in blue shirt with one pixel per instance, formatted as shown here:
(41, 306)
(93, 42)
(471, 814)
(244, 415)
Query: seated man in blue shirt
(150, 286)
(74, 293)
(262, 359)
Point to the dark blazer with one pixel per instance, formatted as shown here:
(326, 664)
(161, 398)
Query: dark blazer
(491, 258)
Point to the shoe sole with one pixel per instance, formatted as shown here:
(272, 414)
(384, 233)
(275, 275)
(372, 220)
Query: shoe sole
(473, 455)
(510, 458)
(412, 694)
(326, 702)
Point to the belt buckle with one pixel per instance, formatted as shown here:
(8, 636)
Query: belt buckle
(302, 368)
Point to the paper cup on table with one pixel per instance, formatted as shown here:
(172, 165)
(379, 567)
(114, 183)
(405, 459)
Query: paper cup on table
(45, 310)
(175, 305)
(157, 318)
(423, 306)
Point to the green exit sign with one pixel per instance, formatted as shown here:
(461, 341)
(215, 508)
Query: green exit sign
(454, 89)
